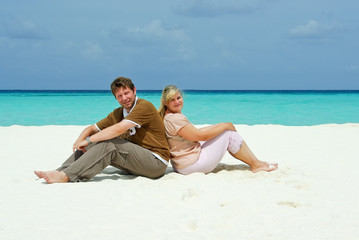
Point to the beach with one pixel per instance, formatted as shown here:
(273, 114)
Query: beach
(313, 194)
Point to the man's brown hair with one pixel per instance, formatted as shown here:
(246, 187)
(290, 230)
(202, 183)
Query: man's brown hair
(121, 82)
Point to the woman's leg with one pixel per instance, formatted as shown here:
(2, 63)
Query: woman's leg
(247, 156)
(212, 152)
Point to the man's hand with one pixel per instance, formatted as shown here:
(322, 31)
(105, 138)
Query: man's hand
(80, 145)
(90, 130)
(107, 133)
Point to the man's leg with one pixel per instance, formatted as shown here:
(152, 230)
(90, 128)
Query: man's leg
(93, 161)
(76, 155)
(117, 152)
(137, 160)
(54, 174)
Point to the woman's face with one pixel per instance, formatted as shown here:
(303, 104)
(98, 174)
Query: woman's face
(175, 104)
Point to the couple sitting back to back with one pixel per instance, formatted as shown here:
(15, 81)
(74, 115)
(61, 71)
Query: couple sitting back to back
(140, 140)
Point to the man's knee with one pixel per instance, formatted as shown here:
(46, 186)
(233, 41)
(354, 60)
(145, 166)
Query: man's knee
(155, 171)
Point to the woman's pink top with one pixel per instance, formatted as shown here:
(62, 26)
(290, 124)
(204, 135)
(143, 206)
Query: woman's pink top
(183, 152)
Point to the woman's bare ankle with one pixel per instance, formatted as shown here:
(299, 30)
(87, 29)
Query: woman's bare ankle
(264, 166)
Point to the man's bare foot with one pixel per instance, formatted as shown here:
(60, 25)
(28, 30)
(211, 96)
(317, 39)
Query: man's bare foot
(264, 166)
(53, 176)
(39, 174)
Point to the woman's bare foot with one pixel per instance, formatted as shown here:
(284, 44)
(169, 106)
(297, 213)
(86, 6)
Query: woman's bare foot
(264, 166)
(53, 176)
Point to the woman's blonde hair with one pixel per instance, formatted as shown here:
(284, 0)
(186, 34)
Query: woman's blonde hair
(168, 92)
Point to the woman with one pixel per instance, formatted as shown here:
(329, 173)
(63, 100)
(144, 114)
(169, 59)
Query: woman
(200, 150)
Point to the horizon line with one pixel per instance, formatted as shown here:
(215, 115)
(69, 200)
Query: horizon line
(228, 90)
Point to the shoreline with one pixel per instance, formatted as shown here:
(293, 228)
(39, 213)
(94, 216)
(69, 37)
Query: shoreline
(202, 124)
(311, 196)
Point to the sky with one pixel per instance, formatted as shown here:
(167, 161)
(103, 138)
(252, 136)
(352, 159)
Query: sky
(194, 44)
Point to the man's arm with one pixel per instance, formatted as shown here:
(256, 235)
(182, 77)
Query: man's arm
(90, 130)
(112, 131)
(108, 133)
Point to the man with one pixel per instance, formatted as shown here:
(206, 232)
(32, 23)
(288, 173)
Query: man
(144, 151)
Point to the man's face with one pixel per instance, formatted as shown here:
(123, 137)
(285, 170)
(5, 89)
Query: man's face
(126, 97)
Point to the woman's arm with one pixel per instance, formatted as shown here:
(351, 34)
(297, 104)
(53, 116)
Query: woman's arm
(192, 133)
(212, 126)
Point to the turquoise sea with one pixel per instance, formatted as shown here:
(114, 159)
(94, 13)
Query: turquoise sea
(292, 108)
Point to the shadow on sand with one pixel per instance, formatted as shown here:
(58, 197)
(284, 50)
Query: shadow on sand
(226, 167)
(112, 173)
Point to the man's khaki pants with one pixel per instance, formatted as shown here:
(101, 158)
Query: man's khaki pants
(116, 152)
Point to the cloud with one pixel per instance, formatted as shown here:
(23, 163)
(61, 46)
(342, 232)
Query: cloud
(19, 28)
(180, 53)
(92, 50)
(154, 33)
(312, 30)
(354, 67)
(153, 39)
(215, 8)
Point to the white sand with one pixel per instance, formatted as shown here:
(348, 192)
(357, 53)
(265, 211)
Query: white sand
(313, 195)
